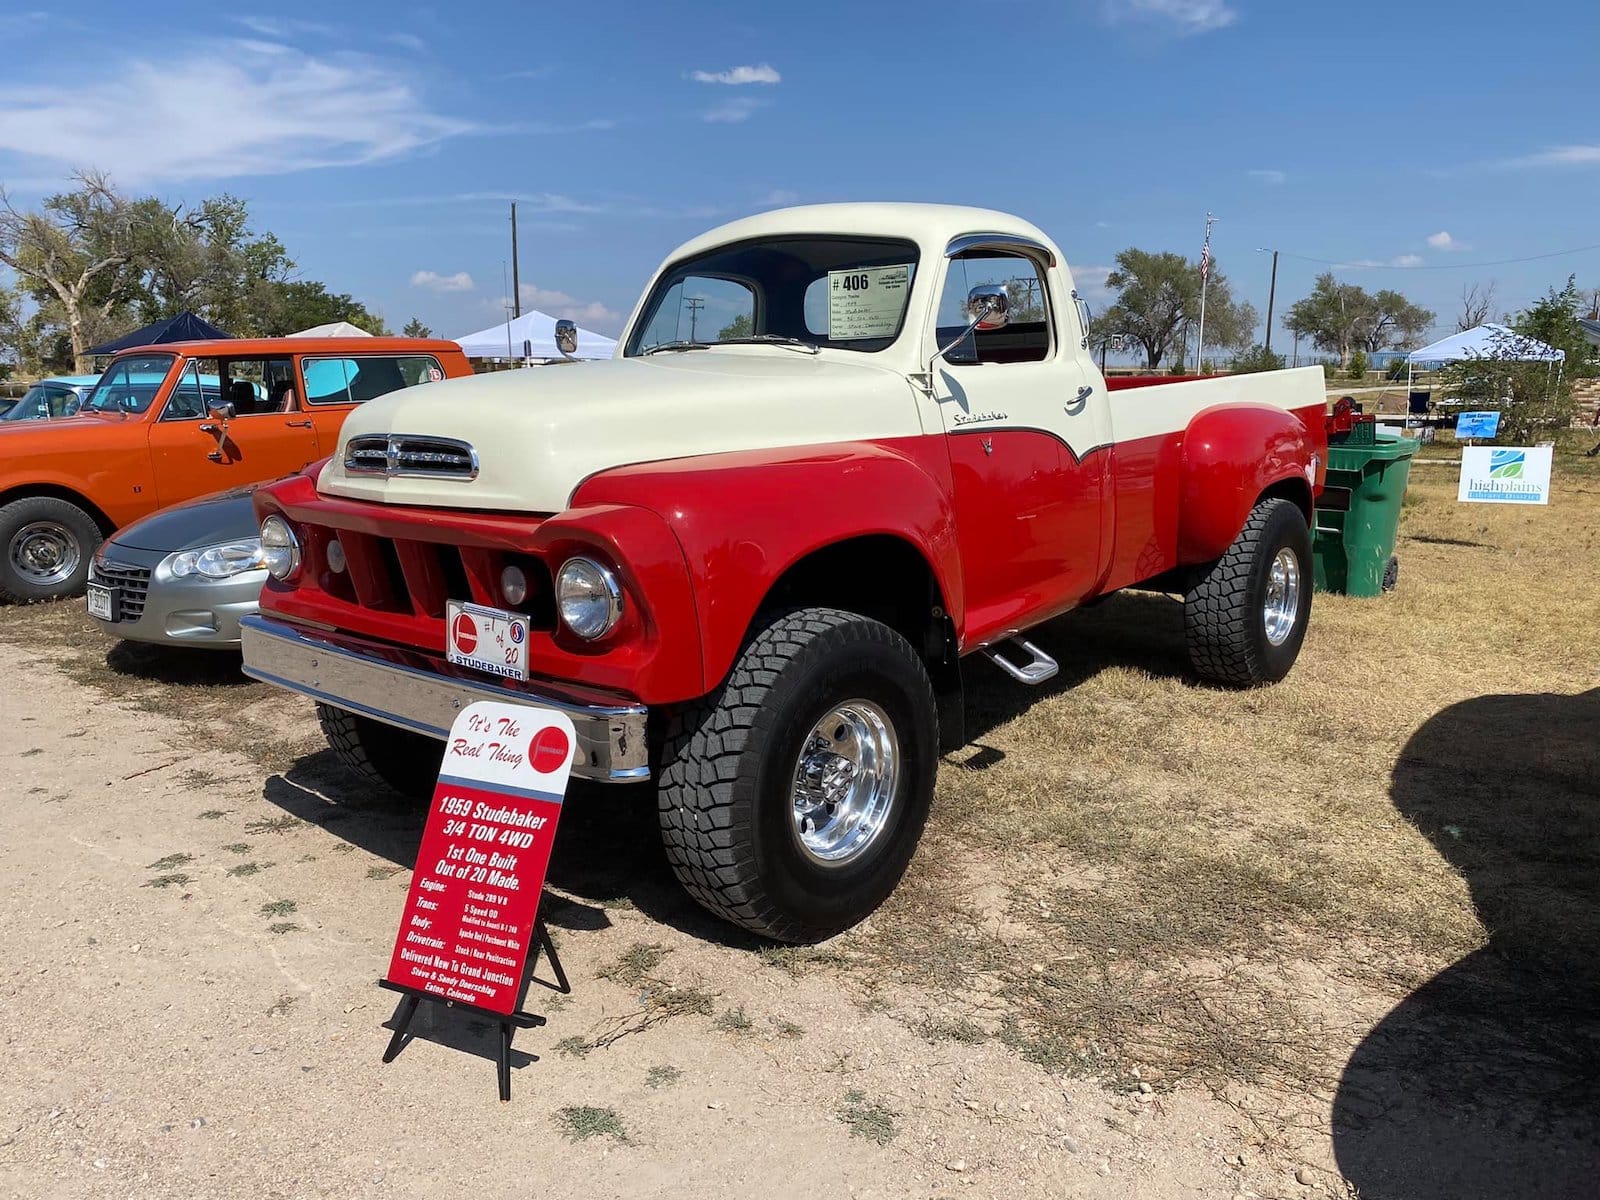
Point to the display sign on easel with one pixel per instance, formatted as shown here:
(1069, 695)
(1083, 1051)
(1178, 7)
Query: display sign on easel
(470, 932)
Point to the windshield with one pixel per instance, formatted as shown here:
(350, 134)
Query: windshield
(130, 384)
(40, 402)
(847, 293)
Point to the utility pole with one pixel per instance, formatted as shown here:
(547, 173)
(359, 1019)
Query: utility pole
(1272, 293)
(516, 281)
(694, 304)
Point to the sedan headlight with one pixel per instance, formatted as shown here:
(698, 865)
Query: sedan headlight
(220, 562)
(587, 597)
(280, 549)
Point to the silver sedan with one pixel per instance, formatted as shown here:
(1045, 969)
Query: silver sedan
(182, 576)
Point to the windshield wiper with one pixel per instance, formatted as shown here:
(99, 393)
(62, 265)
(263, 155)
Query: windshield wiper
(772, 339)
(674, 346)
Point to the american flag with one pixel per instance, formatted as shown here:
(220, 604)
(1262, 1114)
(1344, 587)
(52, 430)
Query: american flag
(1205, 256)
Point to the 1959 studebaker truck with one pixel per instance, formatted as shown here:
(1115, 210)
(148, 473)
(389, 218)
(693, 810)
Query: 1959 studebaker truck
(748, 563)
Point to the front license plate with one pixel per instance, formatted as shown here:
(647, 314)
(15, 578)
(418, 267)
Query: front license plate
(486, 639)
(102, 602)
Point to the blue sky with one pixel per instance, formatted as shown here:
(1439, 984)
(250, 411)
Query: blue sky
(383, 142)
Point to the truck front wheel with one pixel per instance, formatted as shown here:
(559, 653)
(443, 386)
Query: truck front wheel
(792, 798)
(1245, 618)
(381, 754)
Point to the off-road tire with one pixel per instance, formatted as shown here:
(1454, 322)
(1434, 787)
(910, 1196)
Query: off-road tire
(729, 763)
(72, 521)
(405, 762)
(1222, 613)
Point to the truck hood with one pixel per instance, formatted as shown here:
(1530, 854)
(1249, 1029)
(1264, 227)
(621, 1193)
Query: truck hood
(540, 432)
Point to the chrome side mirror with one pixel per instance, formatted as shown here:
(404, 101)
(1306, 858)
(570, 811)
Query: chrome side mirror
(222, 410)
(567, 336)
(988, 307)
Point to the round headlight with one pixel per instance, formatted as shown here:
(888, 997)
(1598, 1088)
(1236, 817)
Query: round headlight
(513, 585)
(280, 549)
(588, 598)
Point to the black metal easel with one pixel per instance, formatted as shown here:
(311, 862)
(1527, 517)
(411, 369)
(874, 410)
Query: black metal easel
(518, 1020)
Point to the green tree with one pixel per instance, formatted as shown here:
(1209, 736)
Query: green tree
(1358, 365)
(1158, 293)
(1342, 318)
(416, 329)
(1534, 399)
(1553, 320)
(208, 260)
(740, 327)
(75, 259)
(1257, 358)
(303, 303)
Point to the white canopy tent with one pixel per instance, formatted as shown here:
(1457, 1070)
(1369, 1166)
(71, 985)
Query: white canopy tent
(532, 335)
(333, 329)
(1490, 342)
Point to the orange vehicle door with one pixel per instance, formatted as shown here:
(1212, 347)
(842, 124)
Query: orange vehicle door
(198, 447)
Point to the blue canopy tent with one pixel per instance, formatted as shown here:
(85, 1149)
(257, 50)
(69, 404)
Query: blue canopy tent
(185, 327)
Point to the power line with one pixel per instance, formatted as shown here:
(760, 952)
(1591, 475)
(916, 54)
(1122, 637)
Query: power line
(1473, 266)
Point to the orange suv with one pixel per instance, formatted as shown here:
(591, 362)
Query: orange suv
(168, 423)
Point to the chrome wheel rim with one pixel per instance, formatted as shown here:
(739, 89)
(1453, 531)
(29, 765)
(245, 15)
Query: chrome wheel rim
(45, 552)
(844, 782)
(1281, 608)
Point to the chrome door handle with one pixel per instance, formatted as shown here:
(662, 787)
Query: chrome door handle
(297, 424)
(1075, 406)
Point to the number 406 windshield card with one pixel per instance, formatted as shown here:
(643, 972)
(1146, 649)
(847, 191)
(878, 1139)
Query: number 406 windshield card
(469, 916)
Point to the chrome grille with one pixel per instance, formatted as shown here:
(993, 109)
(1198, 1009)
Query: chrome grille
(131, 582)
(410, 454)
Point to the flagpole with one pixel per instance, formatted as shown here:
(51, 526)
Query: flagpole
(1205, 279)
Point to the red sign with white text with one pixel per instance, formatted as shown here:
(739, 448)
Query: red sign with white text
(468, 922)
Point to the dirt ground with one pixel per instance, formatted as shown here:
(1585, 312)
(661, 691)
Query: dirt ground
(1335, 938)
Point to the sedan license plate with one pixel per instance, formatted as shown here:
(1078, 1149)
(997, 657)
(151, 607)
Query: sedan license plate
(486, 639)
(102, 602)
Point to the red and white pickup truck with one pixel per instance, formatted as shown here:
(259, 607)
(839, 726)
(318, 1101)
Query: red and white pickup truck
(748, 563)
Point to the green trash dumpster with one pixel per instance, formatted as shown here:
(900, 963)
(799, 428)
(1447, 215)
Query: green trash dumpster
(1352, 549)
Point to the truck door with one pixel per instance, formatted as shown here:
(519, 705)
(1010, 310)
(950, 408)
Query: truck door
(194, 453)
(1023, 422)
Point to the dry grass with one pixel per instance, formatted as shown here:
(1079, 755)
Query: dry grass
(1148, 873)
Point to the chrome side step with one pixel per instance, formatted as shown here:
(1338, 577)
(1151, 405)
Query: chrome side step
(1039, 667)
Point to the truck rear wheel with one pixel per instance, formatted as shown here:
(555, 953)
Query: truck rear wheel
(45, 547)
(793, 797)
(1245, 618)
(379, 753)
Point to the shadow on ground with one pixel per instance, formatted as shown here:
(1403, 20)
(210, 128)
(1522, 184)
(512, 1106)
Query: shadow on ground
(1485, 1082)
(178, 664)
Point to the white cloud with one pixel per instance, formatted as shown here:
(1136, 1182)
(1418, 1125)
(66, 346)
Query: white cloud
(1399, 260)
(1443, 241)
(434, 282)
(1181, 17)
(1268, 176)
(589, 313)
(780, 197)
(1091, 280)
(1560, 156)
(217, 110)
(731, 112)
(281, 28)
(738, 76)
(1406, 260)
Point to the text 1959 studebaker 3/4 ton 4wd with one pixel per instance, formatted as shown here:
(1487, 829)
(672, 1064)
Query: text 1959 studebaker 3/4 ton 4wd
(749, 564)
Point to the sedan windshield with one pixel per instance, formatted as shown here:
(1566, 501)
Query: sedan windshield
(129, 385)
(41, 402)
(847, 293)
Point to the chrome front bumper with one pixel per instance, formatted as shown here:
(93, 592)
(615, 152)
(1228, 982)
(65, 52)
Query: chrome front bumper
(418, 692)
